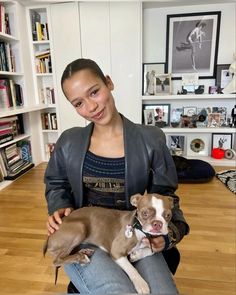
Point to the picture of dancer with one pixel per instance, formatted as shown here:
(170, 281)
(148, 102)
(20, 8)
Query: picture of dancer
(193, 41)
(192, 44)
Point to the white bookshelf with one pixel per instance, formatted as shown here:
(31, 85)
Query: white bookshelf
(43, 76)
(20, 74)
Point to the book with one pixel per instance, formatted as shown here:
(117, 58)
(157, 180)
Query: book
(35, 17)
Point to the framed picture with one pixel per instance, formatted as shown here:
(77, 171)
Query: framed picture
(189, 111)
(223, 75)
(222, 141)
(161, 114)
(176, 144)
(149, 117)
(197, 145)
(192, 44)
(163, 84)
(214, 120)
(150, 70)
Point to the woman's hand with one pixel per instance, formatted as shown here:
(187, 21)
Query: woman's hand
(55, 219)
(157, 244)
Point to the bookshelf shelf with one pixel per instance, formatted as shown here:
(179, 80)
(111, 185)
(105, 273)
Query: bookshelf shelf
(188, 97)
(16, 139)
(21, 110)
(198, 130)
(39, 33)
(5, 73)
(6, 37)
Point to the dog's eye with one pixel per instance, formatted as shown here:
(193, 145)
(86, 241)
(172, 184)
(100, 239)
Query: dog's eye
(167, 215)
(145, 214)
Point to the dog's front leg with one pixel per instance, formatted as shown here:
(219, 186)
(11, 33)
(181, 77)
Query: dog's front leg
(139, 283)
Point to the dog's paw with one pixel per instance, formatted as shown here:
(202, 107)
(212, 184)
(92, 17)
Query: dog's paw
(133, 256)
(87, 251)
(141, 286)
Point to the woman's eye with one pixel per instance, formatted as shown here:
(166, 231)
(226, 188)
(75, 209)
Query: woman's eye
(94, 92)
(78, 104)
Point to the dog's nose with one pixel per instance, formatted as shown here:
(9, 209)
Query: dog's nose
(157, 225)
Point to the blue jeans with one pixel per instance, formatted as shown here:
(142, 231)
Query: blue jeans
(103, 276)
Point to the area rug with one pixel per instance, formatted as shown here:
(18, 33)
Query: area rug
(228, 177)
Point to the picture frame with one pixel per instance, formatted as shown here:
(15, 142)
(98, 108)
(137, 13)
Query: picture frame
(222, 140)
(192, 44)
(150, 70)
(161, 114)
(197, 145)
(162, 84)
(176, 144)
(149, 117)
(189, 111)
(214, 120)
(223, 75)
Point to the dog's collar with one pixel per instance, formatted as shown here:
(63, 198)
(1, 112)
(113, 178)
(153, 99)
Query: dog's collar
(137, 225)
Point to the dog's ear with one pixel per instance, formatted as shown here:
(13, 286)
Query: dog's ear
(171, 202)
(135, 199)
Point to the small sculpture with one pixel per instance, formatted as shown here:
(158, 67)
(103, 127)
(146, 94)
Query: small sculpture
(231, 87)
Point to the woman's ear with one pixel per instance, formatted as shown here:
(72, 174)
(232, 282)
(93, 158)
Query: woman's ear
(109, 83)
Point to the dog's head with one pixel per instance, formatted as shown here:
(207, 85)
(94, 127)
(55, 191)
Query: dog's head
(153, 212)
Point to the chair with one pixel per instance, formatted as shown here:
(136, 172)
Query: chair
(171, 256)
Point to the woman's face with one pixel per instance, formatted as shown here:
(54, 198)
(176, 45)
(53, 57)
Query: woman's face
(90, 96)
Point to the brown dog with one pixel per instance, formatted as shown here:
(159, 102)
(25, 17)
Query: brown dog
(119, 233)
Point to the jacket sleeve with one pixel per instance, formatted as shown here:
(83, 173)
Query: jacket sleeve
(58, 190)
(163, 180)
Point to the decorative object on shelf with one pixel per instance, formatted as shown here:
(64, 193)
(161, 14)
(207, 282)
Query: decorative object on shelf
(200, 89)
(213, 120)
(162, 84)
(149, 117)
(213, 89)
(222, 140)
(223, 76)
(190, 82)
(192, 43)
(175, 117)
(231, 86)
(161, 113)
(189, 111)
(233, 116)
(230, 154)
(176, 144)
(228, 177)
(150, 70)
(223, 114)
(217, 153)
(197, 145)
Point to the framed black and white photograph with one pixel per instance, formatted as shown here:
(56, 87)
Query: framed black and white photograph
(197, 145)
(163, 84)
(222, 141)
(176, 144)
(223, 75)
(192, 44)
(149, 118)
(150, 70)
(161, 114)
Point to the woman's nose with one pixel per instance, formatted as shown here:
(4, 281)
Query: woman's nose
(91, 105)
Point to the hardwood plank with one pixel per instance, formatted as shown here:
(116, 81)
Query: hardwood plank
(208, 253)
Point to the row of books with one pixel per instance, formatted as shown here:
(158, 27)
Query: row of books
(10, 94)
(7, 59)
(15, 159)
(47, 95)
(49, 121)
(4, 21)
(10, 127)
(43, 61)
(39, 29)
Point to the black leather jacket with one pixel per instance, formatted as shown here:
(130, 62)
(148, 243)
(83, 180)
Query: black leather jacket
(148, 165)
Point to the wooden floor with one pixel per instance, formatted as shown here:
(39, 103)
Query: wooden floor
(207, 254)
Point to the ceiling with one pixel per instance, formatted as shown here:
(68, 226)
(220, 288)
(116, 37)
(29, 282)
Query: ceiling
(147, 3)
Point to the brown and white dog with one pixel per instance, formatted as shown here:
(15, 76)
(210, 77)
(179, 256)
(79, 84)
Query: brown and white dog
(119, 233)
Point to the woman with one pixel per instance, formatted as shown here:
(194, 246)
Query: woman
(104, 164)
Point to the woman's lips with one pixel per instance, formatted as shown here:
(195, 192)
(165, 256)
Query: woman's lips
(98, 115)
